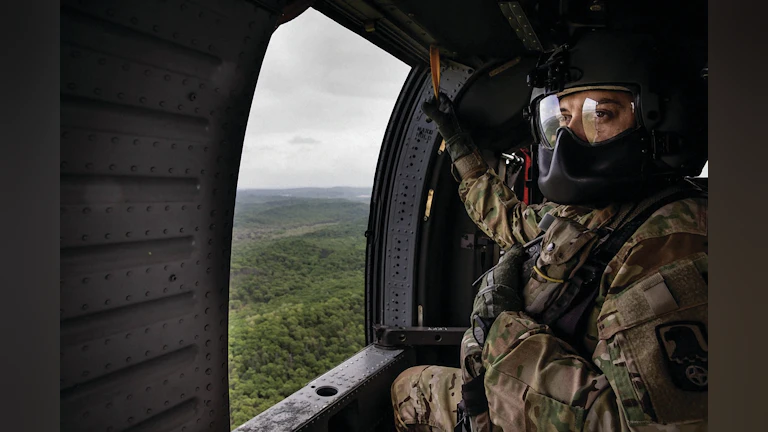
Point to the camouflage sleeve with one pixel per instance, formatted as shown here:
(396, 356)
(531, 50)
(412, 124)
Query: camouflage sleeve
(648, 371)
(498, 212)
(535, 381)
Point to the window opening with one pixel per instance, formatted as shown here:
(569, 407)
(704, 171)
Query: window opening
(319, 113)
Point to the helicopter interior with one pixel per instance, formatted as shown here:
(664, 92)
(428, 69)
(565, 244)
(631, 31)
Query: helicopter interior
(154, 102)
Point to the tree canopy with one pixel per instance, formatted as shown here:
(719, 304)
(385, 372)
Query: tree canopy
(296, 296)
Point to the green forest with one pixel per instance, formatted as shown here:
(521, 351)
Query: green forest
(296, 295)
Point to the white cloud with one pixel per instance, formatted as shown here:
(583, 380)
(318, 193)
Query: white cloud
(320, 109)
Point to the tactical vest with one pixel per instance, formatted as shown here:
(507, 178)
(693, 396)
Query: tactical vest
(563, 268)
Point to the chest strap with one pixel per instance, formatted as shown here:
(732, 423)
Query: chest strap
(567, 320)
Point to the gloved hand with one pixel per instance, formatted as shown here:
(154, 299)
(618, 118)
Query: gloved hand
(458, 143)
(500, 290)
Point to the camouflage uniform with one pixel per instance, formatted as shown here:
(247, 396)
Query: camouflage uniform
(626, 370)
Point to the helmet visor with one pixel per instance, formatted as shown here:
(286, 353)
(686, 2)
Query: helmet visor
(594, 114)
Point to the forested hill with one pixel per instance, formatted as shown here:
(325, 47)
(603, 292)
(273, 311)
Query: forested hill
(296, 294)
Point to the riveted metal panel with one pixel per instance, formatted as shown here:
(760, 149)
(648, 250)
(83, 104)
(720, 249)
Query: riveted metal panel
(154, 101)
(364, 380)
(418, 150)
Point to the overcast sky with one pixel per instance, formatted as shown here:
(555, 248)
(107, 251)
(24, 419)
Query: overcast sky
(321, 107)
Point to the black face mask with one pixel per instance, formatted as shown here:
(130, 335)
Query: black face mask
(577, 173)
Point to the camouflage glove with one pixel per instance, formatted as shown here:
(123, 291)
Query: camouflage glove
(467, 161)
(500, 290)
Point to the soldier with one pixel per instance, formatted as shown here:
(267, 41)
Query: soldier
(595, 317)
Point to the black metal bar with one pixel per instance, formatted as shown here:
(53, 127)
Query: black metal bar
(414, 336)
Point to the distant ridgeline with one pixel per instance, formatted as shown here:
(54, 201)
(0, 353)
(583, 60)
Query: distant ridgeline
(259, 195)
(296, 291)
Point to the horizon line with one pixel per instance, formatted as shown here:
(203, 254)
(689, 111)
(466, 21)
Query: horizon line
(305, 187)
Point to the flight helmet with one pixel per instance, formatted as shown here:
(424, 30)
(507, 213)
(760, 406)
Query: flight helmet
(615, 117)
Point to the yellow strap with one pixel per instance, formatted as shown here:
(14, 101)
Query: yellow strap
(434, 65)
(547, 278)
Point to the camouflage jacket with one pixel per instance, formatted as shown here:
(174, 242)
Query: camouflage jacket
(641, 364)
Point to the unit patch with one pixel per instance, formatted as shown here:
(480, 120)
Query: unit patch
(684, 346)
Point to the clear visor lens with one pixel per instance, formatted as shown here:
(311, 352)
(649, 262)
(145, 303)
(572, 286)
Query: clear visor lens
(595, 115)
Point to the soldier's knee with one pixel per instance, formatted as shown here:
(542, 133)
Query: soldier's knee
(401, 386)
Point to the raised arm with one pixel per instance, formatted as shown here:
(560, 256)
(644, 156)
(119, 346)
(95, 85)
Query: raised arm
(489, 202)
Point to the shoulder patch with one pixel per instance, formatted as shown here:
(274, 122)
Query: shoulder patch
(684, 346)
